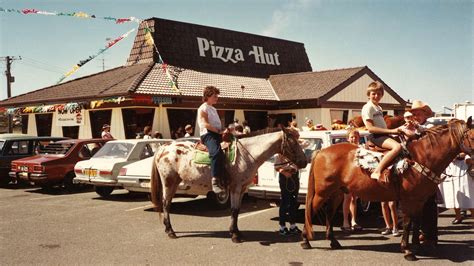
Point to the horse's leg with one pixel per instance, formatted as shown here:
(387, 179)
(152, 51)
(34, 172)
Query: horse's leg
(331, 209)
(415, 237)
(167, 199)
(316, 203)
(235, 202)
(405, 246)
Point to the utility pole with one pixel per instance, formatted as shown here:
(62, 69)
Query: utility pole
(10, 80)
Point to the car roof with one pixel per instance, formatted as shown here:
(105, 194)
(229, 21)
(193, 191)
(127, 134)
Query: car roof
(135, 141)
(9, 136)
(81, 140)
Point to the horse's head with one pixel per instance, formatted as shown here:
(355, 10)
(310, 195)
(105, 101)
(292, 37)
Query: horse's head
(291, 149)
(467, 140)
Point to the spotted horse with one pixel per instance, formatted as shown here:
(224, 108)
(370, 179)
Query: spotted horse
(174, 163)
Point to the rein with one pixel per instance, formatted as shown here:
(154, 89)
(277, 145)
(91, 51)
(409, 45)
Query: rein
(430, 174)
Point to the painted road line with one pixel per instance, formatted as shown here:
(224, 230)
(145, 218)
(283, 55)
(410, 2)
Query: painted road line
(50, 197)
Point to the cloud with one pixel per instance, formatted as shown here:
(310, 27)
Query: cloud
(283, 16)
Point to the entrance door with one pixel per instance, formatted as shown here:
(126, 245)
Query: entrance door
(98, 119)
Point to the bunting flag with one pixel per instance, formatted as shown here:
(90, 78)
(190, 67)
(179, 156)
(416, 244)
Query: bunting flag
(85, 61)
(80, 14)
(148, 37)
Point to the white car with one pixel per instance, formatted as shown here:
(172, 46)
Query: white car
(266, 184)
(103, 168)
(136, 177)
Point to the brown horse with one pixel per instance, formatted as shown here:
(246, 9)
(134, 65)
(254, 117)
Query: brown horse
(333, 173)
(174, 163)
(391, 121)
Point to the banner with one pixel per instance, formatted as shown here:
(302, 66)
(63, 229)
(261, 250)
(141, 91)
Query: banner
(69, 118)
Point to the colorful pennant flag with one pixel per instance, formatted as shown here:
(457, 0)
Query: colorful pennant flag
(83, 62)
(80, 14)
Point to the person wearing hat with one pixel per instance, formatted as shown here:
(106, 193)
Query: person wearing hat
(189, 131)
(410, 128)
(106, 132)
(429, 219)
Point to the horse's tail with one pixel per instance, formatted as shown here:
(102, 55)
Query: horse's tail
(308, 224)
(156, 186)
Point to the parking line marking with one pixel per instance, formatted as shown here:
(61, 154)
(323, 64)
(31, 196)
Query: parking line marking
(49, 197)
(254, 213)
(142, 207)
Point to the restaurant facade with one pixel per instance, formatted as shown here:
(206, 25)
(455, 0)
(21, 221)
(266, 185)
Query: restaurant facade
(265, 81)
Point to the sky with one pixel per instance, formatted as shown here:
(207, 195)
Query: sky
(422, 49)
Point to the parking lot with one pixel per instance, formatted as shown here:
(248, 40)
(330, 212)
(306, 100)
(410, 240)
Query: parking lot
(53, 227)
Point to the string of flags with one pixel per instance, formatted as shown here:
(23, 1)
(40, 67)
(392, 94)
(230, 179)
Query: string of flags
(149, 40)
(85, 61)
(83, 15)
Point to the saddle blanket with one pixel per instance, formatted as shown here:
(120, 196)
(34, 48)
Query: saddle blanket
(369, 160)
(202, 157)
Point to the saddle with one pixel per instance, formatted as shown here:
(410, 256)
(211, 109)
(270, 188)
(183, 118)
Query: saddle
(227, 139)
(368, 160)
(228, 145)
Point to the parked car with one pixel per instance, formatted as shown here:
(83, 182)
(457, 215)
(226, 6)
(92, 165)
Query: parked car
(17, 146)
(266, 185)
(103, 168)
(55, 162)
(136, 177)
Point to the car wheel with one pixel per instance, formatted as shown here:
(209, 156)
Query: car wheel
(104, 191)
(4, 181)
(68, 184)
(221, 200)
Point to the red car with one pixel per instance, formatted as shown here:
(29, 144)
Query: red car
(54, 165)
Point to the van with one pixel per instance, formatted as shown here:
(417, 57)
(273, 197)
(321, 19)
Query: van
(266, 185)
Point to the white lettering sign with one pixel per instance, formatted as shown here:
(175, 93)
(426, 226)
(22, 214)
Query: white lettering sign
(233, 55)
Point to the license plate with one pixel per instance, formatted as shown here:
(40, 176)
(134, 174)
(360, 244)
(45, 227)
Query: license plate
(24, 168)
(23, 174)
(90, 172)
(145, 184)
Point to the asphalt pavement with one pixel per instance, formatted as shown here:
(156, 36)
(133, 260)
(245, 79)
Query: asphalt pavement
(54, 227)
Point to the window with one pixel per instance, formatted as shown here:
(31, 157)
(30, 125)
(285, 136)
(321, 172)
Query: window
(84, 152)
(311, 146)
(98, 119)
(256, 119)
(24, 124)
(134, 120)
(179, 118)
(339, 115)
(146, 152)
(114, 150)
(43, 124)
(19, 147)
(71, 132)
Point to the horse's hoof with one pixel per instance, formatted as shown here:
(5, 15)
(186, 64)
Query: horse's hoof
(335, 245)
(236, 239)
(410, 257)
(172, 235)
(306, 245)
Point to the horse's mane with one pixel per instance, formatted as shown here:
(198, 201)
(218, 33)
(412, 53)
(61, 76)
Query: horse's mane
(455, 128)
(259, 132)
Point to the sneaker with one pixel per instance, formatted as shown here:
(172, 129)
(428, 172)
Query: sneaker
(395, 232)
(284, 232)
(216, 186)
(387, 231)
(295, 231)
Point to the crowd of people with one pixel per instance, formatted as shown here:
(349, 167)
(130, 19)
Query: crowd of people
(457, 190)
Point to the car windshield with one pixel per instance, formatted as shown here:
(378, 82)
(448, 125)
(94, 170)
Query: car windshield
(2, 142)
(55, 148)
(114, 150)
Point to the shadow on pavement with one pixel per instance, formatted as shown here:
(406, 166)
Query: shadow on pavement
(264, 238)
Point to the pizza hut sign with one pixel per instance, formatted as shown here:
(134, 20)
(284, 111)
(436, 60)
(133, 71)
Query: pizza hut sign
(228, 54)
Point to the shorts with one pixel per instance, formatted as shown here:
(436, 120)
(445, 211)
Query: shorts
(377, 139)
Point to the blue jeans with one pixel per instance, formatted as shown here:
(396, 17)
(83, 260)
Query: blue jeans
(213, 143)
(289, 187)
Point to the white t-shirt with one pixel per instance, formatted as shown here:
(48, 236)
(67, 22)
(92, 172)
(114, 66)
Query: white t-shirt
(374, 113)
(212, 117)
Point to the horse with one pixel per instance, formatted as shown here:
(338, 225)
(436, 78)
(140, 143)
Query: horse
(391, 121)
(174, 163)
(333, 172)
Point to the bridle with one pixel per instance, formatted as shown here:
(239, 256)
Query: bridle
(430, 174)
